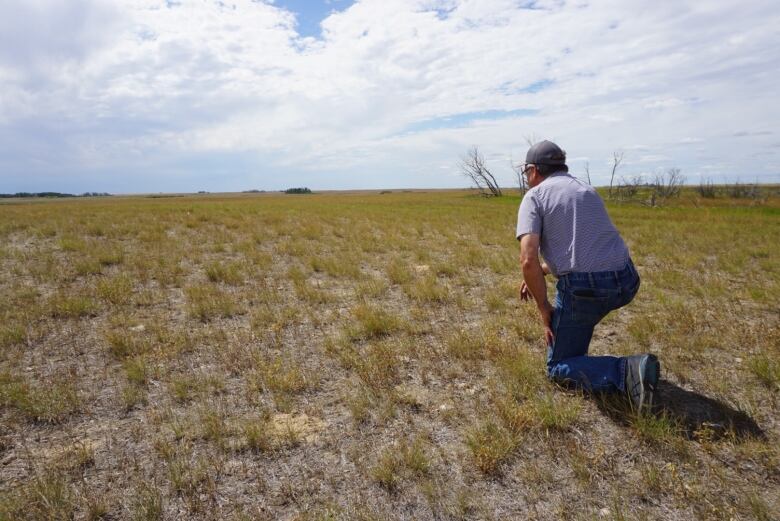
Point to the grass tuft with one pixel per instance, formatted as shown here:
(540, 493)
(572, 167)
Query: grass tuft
(12, 335)
(123, 344)
(258, 435)
(491, 445)
(399, 461)
(206, 302)
(51, 402)
(372, 322)
(467, 344)
(225, 272)
(62, 305)
(767, 370)
(399, 272)
(47, 496)
(116, 290)
(148, 503)
(656, 429)
(427, 290)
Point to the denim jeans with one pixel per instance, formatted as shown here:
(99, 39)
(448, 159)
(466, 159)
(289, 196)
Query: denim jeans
(581, 301)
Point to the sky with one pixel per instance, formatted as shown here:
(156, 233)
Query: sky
(139, 96)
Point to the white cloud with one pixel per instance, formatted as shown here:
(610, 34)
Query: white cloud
(664, 103)
(90, 90)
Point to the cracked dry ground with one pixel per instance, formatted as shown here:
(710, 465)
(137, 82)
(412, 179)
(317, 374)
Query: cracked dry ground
(366, 356)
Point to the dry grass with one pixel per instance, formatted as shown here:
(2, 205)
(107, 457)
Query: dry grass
(365, 356)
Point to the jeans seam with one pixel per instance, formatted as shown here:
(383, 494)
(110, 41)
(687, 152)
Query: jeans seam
(623, 363)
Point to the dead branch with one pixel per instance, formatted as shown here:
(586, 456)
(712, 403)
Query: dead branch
(473, 166)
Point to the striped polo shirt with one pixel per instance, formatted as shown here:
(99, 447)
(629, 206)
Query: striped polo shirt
(576, 232)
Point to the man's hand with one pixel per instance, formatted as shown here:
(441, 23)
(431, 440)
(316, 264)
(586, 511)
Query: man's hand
(524, 293)
(533, 281)
(546, 312)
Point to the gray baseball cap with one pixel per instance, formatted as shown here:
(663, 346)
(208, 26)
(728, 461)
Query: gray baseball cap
(545, 153)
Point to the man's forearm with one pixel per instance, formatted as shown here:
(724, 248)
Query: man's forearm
(533, 275)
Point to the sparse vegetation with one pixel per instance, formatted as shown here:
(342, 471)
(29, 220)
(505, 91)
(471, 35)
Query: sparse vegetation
(349, 356)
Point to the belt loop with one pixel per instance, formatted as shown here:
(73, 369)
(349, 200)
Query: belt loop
(590, 280)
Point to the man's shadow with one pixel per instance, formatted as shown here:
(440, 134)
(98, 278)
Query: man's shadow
(697, 415)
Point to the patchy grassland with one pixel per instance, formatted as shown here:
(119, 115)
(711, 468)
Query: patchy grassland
(366, 356)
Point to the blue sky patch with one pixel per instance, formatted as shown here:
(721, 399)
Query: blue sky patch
(310, 13)
(442, 13)
(466, 118)
(531, 88)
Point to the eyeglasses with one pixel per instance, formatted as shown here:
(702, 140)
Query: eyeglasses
(526, 167)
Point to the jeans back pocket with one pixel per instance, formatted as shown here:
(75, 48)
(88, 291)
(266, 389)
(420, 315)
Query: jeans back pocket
(589, 306)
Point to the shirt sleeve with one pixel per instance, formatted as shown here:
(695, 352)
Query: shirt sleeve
(529, 218)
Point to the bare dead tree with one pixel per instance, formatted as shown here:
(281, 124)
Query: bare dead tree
(666, 185)
(707, 188)
(617, 158)
(474, 167)
(517, 168)
(669, 184)
(629, 187)
(587, 172)
(739, 190)
(532, 139)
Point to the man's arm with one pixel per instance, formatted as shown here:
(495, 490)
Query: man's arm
(533, 275)
(524, 294)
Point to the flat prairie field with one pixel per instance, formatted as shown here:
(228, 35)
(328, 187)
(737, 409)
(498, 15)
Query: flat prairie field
(367, 356)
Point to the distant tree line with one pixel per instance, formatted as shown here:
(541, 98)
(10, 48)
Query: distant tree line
(302, 190)
(55, 194)
(653, 190)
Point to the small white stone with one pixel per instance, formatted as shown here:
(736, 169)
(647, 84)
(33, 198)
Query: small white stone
(139, 327)
(604, 512)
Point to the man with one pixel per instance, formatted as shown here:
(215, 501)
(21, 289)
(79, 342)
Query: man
(566, 220)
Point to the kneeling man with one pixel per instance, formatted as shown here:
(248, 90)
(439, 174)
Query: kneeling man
(565, 219)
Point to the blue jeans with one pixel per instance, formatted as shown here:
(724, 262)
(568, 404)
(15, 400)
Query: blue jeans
(581, 301)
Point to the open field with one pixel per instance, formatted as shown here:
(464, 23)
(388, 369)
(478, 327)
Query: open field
(366, 356)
